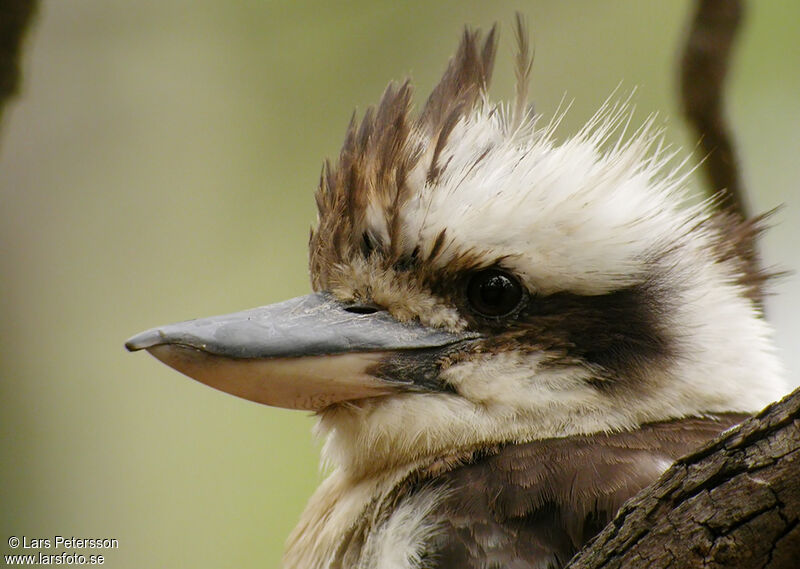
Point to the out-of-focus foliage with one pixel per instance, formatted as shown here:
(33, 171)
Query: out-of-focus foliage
(160, 166)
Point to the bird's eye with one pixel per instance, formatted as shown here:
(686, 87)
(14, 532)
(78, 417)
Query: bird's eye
(494, 293)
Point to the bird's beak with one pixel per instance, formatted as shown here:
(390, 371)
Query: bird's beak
(305, 353)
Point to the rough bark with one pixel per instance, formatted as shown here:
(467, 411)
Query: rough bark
(734, 503)
(15, 17)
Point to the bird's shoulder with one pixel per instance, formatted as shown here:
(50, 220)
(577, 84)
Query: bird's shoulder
(535, 504)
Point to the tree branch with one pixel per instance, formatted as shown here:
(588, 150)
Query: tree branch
(734, 503)
(704, 68)
(15, 17)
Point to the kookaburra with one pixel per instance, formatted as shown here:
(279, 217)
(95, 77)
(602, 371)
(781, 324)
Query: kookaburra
(508, 336)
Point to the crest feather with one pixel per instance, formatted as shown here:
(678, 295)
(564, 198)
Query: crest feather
(359, 199)
(467, 77)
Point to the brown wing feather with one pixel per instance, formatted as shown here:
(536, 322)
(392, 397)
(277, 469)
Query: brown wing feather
(536, 504)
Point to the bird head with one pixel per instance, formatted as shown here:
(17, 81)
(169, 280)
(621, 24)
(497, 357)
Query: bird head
(477, 282)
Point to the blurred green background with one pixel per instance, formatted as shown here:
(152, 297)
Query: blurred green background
(159, 165)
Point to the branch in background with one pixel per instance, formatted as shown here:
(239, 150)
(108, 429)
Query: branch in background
(15, 17)
(734, 503)
(704, 68)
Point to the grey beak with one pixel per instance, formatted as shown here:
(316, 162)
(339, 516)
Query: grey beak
(304, 353)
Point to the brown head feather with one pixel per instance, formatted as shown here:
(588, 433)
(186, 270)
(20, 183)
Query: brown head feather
(523, 65)
(737, 243)
(379, 153)
(467, 76)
